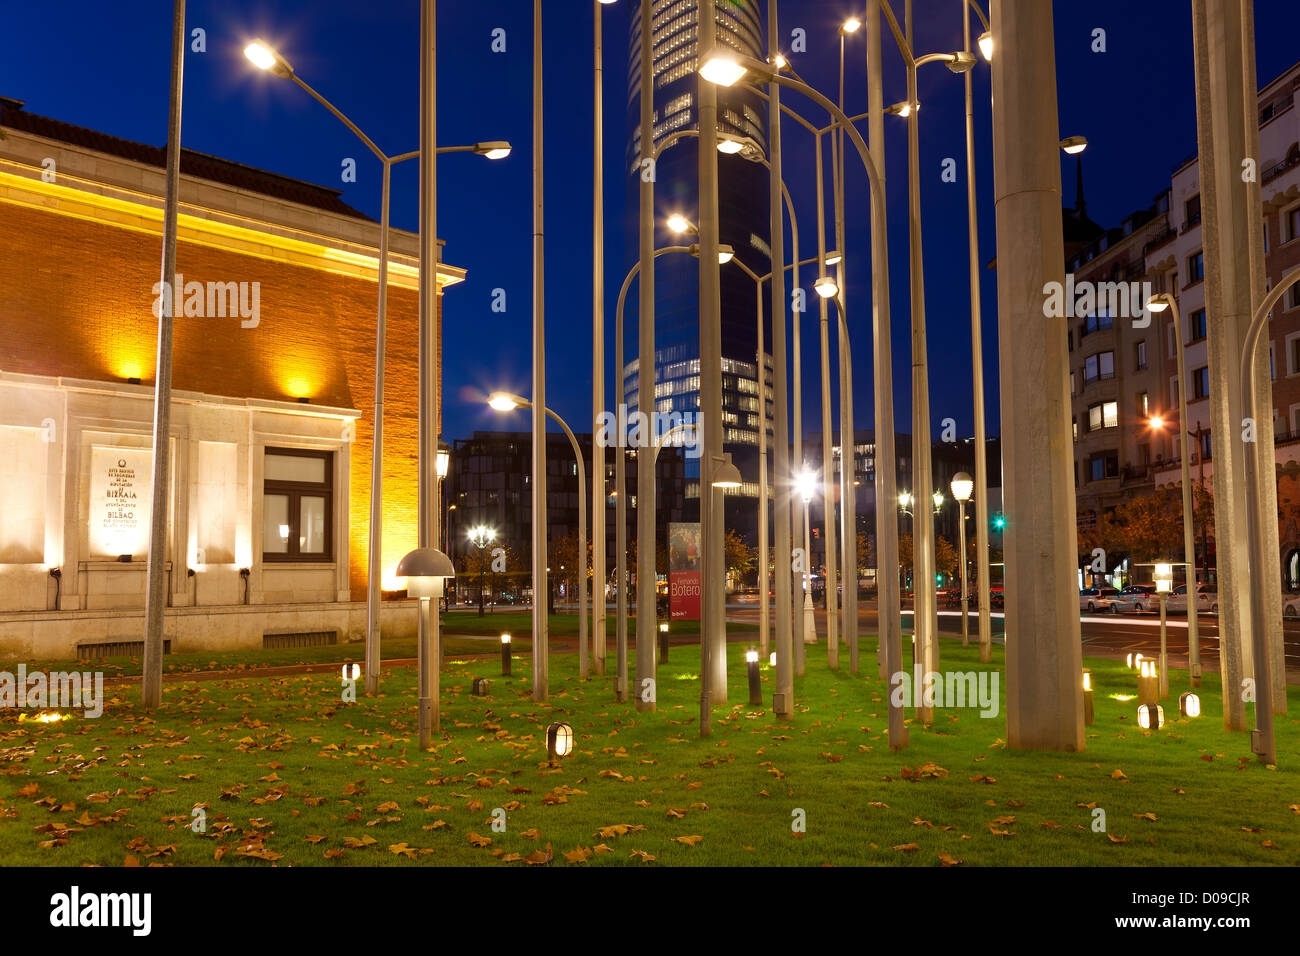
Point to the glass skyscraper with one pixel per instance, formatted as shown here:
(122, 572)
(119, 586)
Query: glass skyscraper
(743, 224)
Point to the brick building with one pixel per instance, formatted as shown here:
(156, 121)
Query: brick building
(274, 358)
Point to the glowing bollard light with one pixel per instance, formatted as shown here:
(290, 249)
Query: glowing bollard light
(505, 655)
(755, 685)
(559, 741)
(1148, 682)
(1149, 715)
(1133, 661)
(351, 671)
(1189, 705)
(1087, 698)
(771, 659)
(663, 642)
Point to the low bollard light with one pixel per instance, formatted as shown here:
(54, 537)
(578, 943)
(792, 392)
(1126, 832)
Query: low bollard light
(1148, 682)
(663, 642)
(505, 655)
(480, 687)
(755, 684)
(559, 740)
(1189, 705)
(351, 671)
(1087, 698)
(1151, 716)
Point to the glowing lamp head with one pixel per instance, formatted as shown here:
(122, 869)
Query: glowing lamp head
(751, 656)
(986, 46)
(443, 460)
(505, 638)
(1087, 680)
(1074, 144)
(663, 628)
(1151, 716)
(725, 254)
(826, 287)
(729, 145)
(962, 486)
(938, 500)
(771, 659)
(1164, 578)
(495, 149)
(502, 402)
(1189, 705)
(559, 740)
(806, 482)
(263, 56)
(833, 258)
(1156, 422)
(1158, 302)
(726, 476)
(851, 25)
(351, 671)
(721, 68)
(905, 500)
(426, 571)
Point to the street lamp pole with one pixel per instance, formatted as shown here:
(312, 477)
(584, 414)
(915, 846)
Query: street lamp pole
(151, 676)
(1159, 303)
(501, 401)
(541, 643)
(828, 472)
(962, 484)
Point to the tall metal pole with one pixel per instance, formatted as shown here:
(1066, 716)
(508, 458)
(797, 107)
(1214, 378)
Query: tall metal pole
(977, 364)
(848, 438)
(925, 612)
(1044, 693)
(764, 608)
(783, 697)
(713, 635)
(646, 622)
(828, 463)
(620, 514)
(156, 595)
(598, 647)
(1189, 533)
(887, 590)
(541, 642)
(429, 386)
(376, 539)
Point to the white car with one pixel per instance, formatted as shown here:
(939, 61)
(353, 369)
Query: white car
(1291, 609)
(1137, 598)
(1207, 599)
(1093, 600)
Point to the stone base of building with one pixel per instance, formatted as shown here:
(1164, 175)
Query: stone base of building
(68, 635)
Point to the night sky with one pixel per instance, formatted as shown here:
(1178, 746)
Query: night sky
(106, 66)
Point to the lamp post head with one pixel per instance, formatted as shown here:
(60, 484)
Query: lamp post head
(905, 500)
(806, 482)
(1074, 144)
(962, 486)
(720, 66)
(426, 571)
(938, 499)
(503, 402)
(961, 62)
(850, 26)
(826, 287)
(263, 56)
(903, 109)
(986, 46)
(1159, 302)
(493, 149)
(743, 146)
(1156, 423)
(726, 476)
(443, 459)
(725, 254)
(833, 258)
(681, 225)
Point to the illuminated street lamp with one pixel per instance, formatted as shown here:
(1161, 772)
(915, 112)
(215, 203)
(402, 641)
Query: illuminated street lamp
(505, 654)
(962, 486)
(755, 684)
(559, 741)
(426, 571)
(1087, 698)
(481, 536)
(807, 486)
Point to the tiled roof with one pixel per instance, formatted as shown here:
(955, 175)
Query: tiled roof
(195, 164)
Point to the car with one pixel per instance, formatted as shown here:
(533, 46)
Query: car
(951, 597)
(1291, 609)
(1137, 597)
(1207, 599)
(1093, 600)
(997, 597)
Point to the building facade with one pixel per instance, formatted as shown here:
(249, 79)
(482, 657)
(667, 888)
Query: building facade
(1125, 373)
(274, 352)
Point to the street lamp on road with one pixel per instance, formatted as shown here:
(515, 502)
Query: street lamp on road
(962, 486)
(481, 536)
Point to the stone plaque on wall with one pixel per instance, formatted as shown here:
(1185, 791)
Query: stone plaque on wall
(120, 500)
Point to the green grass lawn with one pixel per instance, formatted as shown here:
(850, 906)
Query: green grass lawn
(467, 623)
(288, 774)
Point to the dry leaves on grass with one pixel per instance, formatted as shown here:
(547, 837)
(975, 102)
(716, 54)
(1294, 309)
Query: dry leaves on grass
(947, 859)
(476, 839)
(907, 847)
(641, 855)
(688, 840)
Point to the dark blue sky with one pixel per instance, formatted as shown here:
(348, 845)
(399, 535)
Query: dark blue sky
(105, 66)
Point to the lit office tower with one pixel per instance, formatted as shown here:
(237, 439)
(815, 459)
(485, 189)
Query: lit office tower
(743, 225)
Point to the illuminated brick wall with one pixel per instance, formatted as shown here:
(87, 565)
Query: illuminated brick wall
(76, 299)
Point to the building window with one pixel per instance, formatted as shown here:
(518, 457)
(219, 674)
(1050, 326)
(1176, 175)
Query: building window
(1197, 323)
(1193, 210)
(1291, 219)
(297, 505)
(1101, 365)
(1195, 267)
(1103, 415)
(1103, 465)
(1140, 352)
(1144, 405)
(1293, 297)
(1205, 445)
(1097, 323)
(1201, 382)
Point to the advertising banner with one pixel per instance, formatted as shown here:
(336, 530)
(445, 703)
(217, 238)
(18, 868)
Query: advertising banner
(684, 582)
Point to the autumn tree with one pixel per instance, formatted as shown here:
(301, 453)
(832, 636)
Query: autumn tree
(740, 557)
(945, 557)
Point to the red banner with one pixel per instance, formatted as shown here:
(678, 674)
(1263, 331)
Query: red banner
(684, 581)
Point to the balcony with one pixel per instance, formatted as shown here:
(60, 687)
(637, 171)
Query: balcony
(1278, 169)
(1159, 239)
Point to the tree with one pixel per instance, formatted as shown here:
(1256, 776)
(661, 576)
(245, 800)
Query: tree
(1150, 526)
(740, 556)
(866, 551)
(945, 558)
